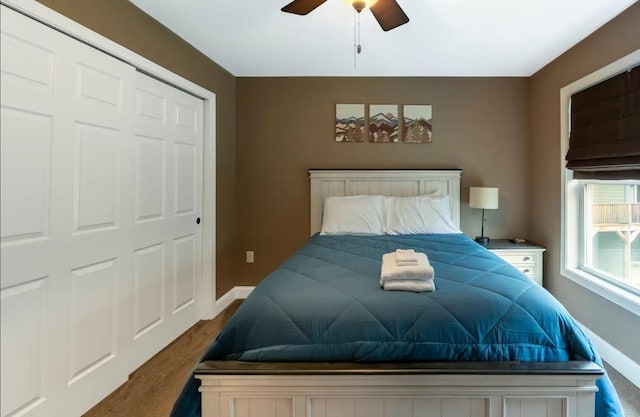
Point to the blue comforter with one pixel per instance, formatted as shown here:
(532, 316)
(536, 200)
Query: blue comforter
(325, 304)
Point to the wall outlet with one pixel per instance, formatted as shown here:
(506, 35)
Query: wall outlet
(249, 256)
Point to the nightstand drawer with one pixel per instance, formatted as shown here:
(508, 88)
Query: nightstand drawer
(528, 270)
(517, 258)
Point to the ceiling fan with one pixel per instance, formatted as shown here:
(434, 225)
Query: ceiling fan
(387, 12)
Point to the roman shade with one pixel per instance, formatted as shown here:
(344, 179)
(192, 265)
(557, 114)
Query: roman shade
(604, 142)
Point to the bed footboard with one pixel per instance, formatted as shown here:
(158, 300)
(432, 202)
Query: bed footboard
(434, 389)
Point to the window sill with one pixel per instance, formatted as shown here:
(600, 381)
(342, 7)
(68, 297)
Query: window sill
(616, 295)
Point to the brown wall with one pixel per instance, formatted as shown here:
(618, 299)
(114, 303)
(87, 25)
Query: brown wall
(128, 26)
(616, 39)
(287, 125)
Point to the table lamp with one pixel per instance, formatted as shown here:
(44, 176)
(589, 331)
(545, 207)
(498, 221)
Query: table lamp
(485, 198)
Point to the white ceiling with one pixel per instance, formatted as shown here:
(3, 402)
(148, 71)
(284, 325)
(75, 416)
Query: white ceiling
(442, 38)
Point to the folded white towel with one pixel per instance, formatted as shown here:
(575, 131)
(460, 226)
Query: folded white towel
(410, 285)
(390, 271)
(406, 257)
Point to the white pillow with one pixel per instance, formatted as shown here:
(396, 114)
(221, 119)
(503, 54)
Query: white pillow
(354, 215)
(421, 214)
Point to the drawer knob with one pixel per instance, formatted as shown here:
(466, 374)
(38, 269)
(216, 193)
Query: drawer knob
(526, 258)
(526, 271)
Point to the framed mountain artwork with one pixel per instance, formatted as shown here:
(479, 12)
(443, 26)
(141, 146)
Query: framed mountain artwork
(383, 123)
(349, 122)
(417, 123)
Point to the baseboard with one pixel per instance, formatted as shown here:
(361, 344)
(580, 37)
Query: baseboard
(236, 293)
(243, 292)
(621, 362)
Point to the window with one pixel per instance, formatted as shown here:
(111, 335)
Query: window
(600, 207)
(611, 227)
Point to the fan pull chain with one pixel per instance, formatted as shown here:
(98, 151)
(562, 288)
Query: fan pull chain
(355, 39)
(357, 47)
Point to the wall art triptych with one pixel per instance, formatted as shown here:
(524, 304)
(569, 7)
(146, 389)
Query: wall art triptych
(383, 123)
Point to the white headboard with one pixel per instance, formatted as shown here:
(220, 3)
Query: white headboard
(401, 183)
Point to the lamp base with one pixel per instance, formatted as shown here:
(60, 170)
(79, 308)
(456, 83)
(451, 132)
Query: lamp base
(483, 240)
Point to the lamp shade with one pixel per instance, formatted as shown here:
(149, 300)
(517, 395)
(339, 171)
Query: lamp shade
(483, 197)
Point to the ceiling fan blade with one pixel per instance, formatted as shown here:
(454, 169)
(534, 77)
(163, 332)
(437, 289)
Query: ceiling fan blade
(389, 14)
(302, 6)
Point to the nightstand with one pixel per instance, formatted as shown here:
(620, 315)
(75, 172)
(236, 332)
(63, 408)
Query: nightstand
(527, 256)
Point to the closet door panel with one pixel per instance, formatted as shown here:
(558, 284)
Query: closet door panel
(22, 346)
(150, 187)
(30, 119)
(149, 290)
(66, 224)
(153, 255)
(96, 177)
(92, 306)
(186, 114)
(26, 204)
(99, 248)
(168, 177)
(184, 273)
(185, 165)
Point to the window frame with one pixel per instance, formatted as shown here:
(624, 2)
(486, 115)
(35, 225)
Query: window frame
(572, 200)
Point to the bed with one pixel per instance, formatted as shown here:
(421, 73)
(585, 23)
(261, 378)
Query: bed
(319, 337)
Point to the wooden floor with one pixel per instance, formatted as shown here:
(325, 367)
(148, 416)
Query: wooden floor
(168, 370)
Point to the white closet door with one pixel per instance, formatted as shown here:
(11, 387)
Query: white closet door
(168, 200)
(66, 224)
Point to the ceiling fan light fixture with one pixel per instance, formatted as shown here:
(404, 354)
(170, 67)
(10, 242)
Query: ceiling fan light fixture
(388, 13)
(360, 5)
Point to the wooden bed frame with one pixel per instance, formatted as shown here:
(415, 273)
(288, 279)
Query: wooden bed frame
(425, 389)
